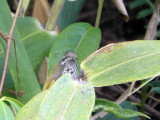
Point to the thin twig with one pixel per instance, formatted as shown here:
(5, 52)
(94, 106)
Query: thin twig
(151, 97)
(124, 96)
(143, 84)
(148, 108)
(99, 12)
(151, 32)
(9, 40)
(3, 35)
(21, 92)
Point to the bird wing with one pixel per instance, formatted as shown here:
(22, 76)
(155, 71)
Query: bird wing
(55, 73)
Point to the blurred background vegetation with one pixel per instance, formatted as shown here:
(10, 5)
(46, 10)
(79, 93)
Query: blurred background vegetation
(113, 25)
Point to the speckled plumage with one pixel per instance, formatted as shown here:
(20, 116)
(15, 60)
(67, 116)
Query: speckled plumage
(68, 64)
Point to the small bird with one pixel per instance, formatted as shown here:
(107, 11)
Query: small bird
(68, 64)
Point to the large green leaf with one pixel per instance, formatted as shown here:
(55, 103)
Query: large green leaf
(6, 113)
(123, 62)
(111, 107)
(36, 40)
(80, 37)
(37, 43)
(8, 84)
(67, 99)
(69, 13)
(29, 81)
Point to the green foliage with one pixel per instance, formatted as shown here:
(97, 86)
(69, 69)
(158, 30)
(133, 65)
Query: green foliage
(6, 112)
(36, 40)
(156, 90)
(66, 99)
(122, 62)
(155, 86)
(27, 76)
(145, 12)
(80, 37)
(8, 84)
(124, 105)
(111, 107)
(137, 3)
(70, 12)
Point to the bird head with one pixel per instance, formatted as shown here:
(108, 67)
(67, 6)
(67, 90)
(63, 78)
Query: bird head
(69, 57)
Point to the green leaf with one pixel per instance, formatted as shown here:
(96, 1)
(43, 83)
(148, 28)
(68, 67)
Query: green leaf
(16, 105)
(69, 13)
(27, 76)
(123, 62)
(156, 90)
(124, 105)
(67, 99)
(80, 37)
(6, 113)
(36, 40)
(144, 13)
(155, 84)
(158, 33)
(37, 43)
(8, 84)
(111, 107)
(136, 3)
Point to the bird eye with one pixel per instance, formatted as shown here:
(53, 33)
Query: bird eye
(63, 59)
(72, 60)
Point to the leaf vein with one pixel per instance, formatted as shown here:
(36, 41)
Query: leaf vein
(122, 64)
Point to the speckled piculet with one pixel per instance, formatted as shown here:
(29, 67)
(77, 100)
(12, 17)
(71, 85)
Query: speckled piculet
(68, 64)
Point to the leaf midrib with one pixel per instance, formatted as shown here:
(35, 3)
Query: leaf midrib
(44, 98)
(4, 110)
(71, 98)
(83, 37)
(122, 64)
(31, 34)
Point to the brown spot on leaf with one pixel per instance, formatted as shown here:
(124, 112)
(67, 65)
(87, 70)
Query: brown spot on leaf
(108, 48)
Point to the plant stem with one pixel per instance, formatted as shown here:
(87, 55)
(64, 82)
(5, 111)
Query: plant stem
(9, 40)
(100, 5)
(55, 12)
(151, 32)
(144, 97)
